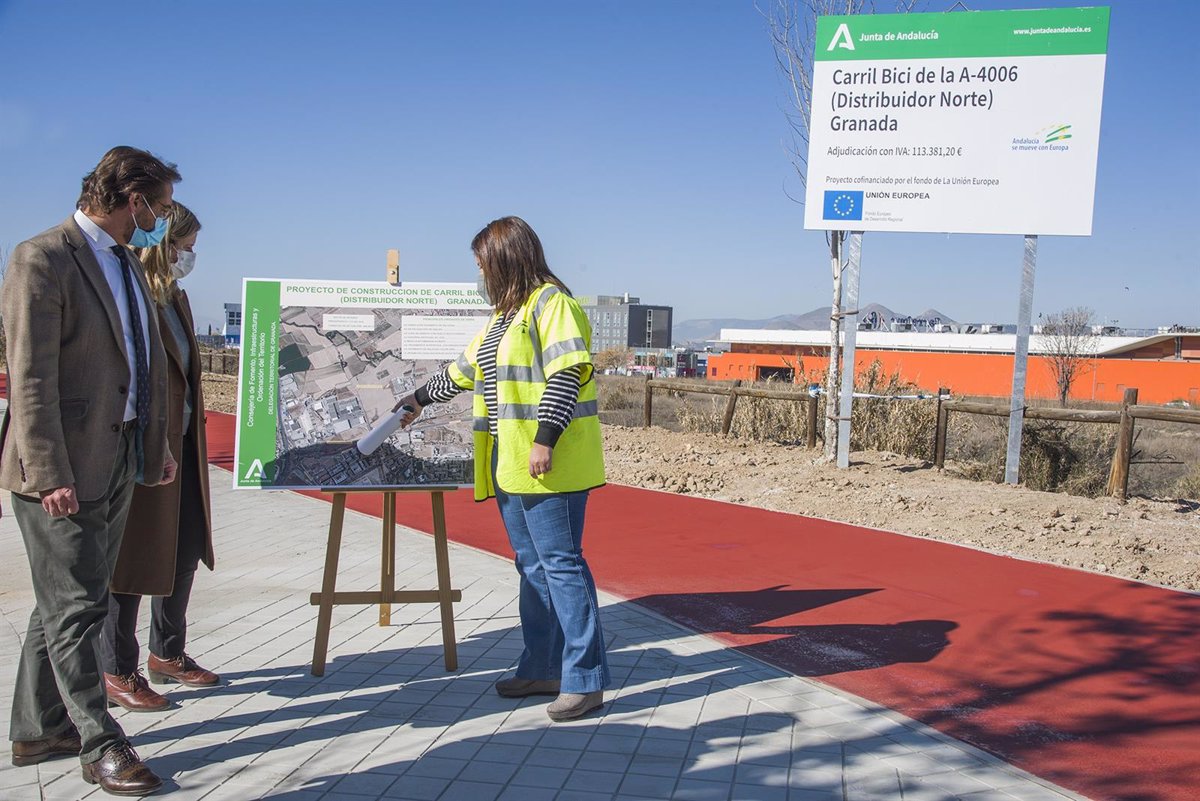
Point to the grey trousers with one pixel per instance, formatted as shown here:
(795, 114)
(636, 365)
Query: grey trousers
(59, 679)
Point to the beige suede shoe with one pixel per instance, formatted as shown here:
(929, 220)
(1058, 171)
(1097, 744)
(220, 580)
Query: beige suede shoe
(569, 706)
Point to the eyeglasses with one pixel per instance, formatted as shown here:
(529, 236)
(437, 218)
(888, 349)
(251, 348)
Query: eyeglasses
(156, 212)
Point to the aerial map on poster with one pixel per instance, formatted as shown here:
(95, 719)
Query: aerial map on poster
(323, 364)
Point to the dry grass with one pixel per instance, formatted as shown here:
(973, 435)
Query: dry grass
(768, 420)
(1188, 486)
(1170, 456)
(896, 426)
(905, 427)
(701, 414)
(622, 401)
(618, 393)
(1076, 457)
(1055, 457)
(756, 419)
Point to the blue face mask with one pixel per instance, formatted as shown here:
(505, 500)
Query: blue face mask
(148, 239)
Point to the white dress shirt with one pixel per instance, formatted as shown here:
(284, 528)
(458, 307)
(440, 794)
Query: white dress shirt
(100, 241)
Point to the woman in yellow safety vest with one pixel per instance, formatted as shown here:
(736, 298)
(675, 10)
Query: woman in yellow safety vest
(538, 452)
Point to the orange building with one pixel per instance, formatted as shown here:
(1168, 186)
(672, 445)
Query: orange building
(1165, 368)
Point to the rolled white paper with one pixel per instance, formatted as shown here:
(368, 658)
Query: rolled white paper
(382, 430)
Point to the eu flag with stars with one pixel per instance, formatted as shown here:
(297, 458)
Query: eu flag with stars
(843, 205)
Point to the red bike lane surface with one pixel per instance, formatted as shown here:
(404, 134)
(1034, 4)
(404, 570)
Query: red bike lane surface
(1089, 681)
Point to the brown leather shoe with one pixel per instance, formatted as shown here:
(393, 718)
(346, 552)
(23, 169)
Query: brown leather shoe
(132, 692)
(183, 670)
(33, 752)
(120, 771)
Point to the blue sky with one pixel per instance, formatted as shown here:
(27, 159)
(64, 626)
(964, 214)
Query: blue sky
(643, 140)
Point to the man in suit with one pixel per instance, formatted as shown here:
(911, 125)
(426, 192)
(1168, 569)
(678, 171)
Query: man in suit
(86, 422)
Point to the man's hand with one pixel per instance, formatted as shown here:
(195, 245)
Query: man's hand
(170, 469)
(60, 502)
(540, 459)
(411, 402)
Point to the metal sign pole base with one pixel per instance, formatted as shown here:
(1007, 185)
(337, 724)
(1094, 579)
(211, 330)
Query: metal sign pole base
(850, 323)
(1016, 414)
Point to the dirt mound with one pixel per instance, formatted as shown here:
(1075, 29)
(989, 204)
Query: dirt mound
(220, 393)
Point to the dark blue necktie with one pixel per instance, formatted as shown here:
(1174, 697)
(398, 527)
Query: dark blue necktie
(141, 361)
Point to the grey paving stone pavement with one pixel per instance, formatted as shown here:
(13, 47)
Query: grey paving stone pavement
(686, 719)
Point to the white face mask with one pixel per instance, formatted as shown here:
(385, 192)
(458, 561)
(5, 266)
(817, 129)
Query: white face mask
(184, 264)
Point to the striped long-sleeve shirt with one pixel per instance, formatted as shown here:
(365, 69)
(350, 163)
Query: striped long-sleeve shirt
(555, 411)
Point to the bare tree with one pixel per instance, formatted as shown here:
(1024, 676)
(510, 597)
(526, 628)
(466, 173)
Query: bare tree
(613, 358)
(792, 25)
(1070, 343)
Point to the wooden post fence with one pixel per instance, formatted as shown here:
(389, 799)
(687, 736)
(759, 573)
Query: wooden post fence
(1118, 477)
(220, 362)
(648, 409)
(727, 420)
(811, 442)
(939, 437)
(733, 391)
(1126, 417)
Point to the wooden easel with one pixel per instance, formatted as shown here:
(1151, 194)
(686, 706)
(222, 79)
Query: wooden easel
(387, 595)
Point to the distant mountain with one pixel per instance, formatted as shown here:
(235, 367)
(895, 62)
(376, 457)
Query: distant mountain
(817, 318)
(697, 332)
(934, 314)
(875, 314)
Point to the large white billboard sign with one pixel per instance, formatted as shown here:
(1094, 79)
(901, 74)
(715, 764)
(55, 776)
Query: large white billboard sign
(965, 122)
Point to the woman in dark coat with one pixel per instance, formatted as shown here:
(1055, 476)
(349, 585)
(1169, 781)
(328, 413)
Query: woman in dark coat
(169, 531)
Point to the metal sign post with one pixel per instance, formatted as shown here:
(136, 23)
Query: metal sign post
(1016, 415)
(850, 326)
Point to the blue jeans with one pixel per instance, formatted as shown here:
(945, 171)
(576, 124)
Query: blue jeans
(560, 618)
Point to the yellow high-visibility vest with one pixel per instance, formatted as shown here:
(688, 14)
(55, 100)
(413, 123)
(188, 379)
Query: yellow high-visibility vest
(549, 333)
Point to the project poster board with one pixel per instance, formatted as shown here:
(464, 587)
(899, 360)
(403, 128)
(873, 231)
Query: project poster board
(324, 362)
(966, 122)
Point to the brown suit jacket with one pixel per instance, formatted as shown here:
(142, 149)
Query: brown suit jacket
(68, 375)
(146, 565)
